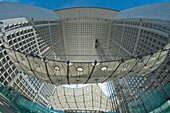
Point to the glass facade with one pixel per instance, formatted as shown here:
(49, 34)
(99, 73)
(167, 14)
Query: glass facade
(85, 60)
(22, 104)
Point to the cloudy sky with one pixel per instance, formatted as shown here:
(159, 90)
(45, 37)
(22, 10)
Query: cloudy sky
(112, 4)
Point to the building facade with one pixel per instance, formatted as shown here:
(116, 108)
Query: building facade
(26, 35)
(88, 35)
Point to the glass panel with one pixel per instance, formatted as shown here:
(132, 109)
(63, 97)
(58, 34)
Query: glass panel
(22, 104)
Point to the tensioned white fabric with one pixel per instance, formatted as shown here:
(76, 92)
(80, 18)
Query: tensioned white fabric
(58, 72)
(89, 97)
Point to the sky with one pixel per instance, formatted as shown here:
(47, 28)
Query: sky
(111, 4)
